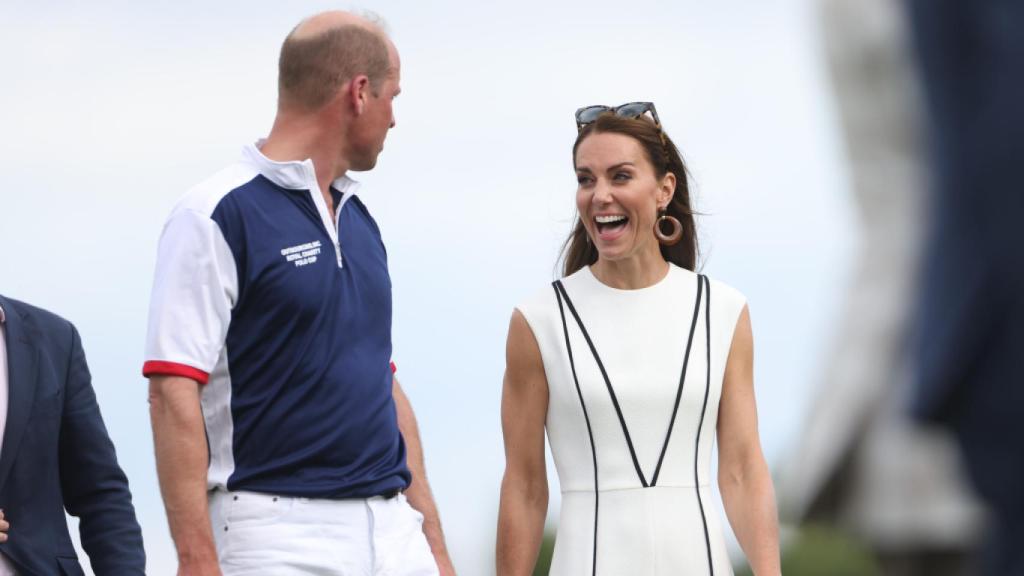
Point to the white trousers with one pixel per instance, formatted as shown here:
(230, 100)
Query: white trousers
(261, 534)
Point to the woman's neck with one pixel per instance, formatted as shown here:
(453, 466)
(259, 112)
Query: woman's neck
(631, 273)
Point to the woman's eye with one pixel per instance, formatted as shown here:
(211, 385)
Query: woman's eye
(583, 180)
(623, 176)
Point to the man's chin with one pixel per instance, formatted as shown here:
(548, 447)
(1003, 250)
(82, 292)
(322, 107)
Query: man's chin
(364, 165)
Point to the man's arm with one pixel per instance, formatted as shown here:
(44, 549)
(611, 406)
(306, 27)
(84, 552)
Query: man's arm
(182, 459)
(93, 486)
(418, 493)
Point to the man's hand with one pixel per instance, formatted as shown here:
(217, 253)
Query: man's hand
(4, 527)
(209, 568)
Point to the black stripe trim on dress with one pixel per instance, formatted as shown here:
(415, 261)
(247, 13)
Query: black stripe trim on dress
(696, 452)
(593, 450)
(608, 383)
(682, 379)
(611, 390)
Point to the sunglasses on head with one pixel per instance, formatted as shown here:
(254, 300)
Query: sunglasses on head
(632, 110)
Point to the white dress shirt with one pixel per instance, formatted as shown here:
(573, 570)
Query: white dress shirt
(3, 379)
(5, 565)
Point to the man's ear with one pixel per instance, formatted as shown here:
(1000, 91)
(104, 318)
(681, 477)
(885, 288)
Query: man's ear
(359, 92)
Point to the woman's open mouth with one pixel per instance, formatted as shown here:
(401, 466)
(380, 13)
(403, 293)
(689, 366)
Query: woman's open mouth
(608, 227)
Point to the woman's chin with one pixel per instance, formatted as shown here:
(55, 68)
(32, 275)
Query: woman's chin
(613, 253)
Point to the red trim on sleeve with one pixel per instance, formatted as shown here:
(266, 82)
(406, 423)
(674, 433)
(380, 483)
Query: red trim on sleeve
(159, 368)
(394, 368)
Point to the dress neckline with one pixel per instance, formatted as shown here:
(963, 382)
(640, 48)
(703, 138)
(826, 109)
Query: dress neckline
(588, 275)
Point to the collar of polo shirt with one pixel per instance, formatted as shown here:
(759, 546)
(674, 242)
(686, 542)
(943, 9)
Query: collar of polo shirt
(294, 175)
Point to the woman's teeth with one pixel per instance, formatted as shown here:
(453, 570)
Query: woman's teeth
(610, 222)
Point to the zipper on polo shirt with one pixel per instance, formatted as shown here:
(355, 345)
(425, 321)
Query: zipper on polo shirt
(336, 241)
(331, 227)
(336, 237)
(337, 252)
(345, 196)
(337, 228)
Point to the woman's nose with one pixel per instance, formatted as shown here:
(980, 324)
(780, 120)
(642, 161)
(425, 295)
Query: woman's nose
(602, 193)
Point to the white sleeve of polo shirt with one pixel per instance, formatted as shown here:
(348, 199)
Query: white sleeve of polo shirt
(194, 289)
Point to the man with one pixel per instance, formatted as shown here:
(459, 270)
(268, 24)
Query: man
(284, 445)
(970, 317)
(861, 464)
(55, 455)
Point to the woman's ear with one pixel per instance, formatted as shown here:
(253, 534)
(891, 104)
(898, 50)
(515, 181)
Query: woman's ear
(666, 188)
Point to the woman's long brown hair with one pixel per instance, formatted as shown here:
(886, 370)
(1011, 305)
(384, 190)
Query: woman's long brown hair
(579, 251)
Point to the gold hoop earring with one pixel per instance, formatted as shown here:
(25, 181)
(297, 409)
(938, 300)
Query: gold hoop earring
(677, 229)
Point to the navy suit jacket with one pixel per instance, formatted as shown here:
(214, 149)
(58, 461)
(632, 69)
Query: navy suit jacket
(970, 326)
(57, 456)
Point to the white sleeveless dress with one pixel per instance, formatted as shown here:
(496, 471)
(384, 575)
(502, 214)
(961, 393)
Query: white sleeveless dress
(633, 450)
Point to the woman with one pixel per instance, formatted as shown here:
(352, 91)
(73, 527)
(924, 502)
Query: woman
(613, 360)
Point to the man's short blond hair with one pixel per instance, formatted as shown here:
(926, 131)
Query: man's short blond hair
(312, 69)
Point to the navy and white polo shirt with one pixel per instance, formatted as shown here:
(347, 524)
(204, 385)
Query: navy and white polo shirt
(285, 317)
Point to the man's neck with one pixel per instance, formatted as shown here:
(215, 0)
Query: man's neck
(295, 138)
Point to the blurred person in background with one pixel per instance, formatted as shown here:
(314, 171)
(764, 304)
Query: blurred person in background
(969, 341)
(861, 464)
(633, 363)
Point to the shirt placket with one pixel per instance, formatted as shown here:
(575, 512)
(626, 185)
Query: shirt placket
(331, 224)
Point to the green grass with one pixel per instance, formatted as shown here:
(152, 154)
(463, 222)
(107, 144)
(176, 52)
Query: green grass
(820, 550)
(547, 548)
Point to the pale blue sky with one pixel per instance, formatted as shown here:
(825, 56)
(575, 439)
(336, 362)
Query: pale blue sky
(110, 110)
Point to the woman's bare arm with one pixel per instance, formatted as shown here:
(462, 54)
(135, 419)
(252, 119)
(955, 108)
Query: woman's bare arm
(743, 476)
(524, 489)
